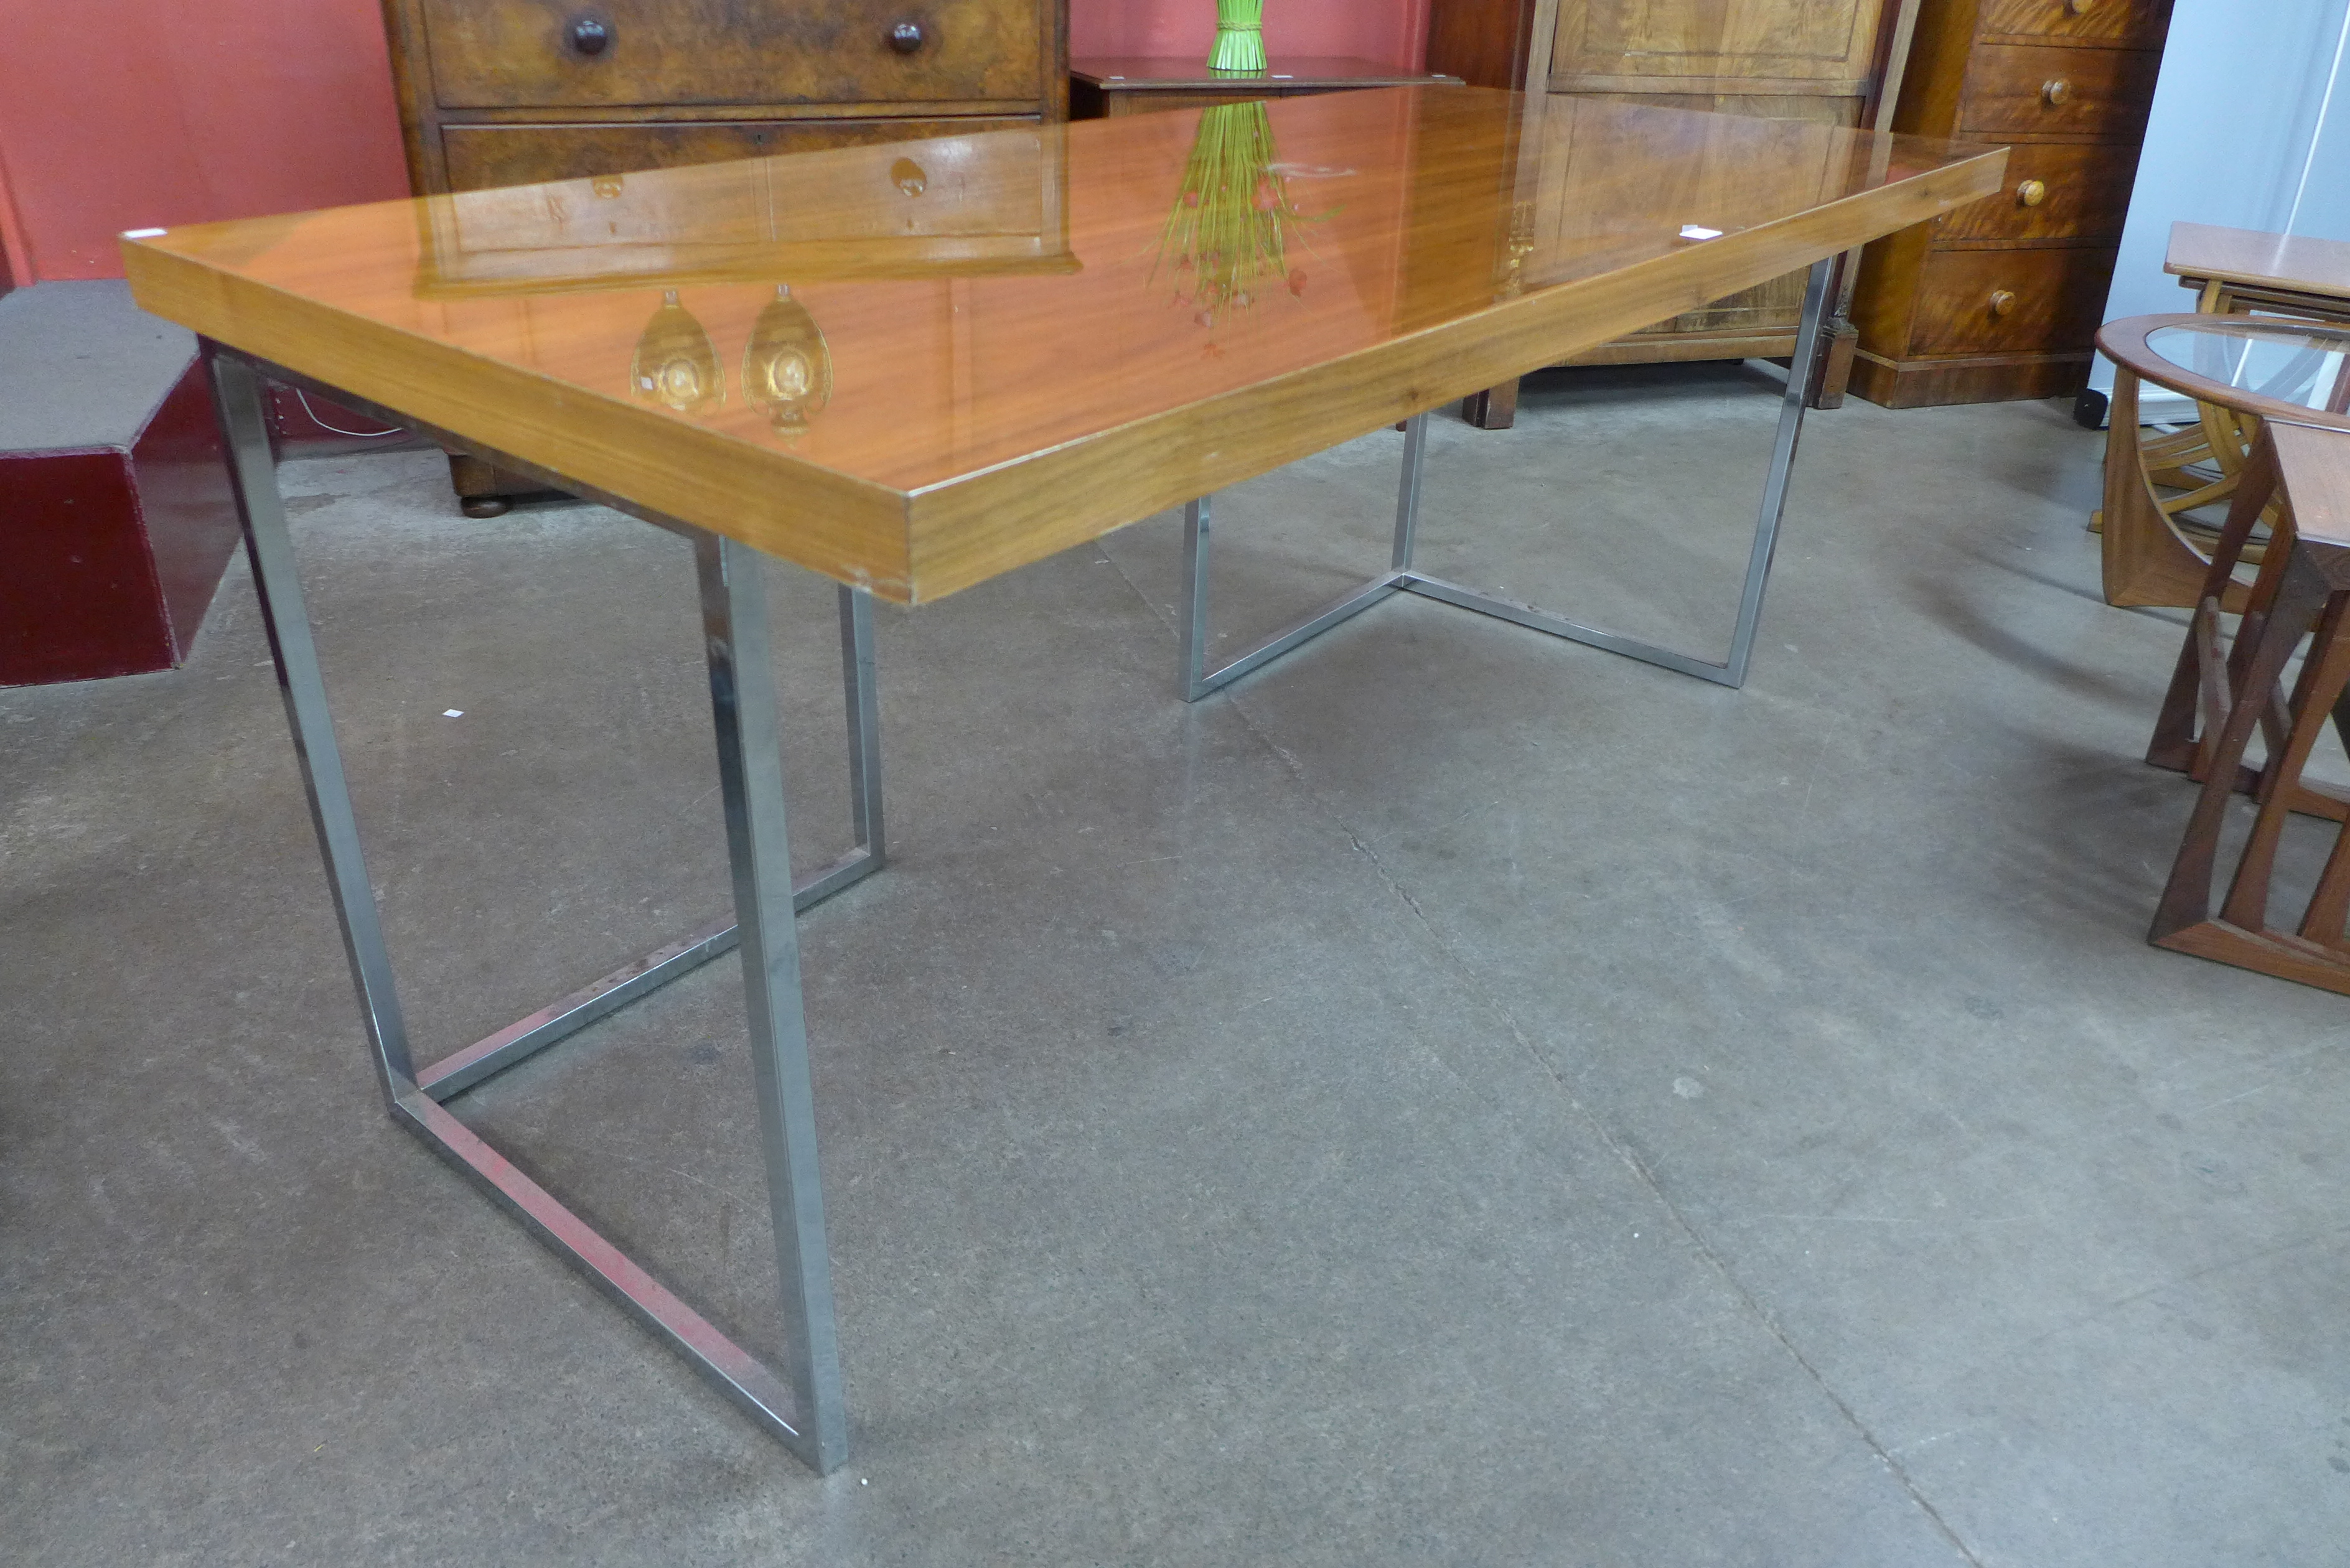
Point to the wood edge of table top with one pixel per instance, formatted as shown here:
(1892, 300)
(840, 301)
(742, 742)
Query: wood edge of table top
(923, 544)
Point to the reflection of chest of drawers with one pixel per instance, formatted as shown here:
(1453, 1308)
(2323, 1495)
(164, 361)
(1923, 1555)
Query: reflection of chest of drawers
(504, 92)
(2001, 299)
(513, 92)
(1819, 60)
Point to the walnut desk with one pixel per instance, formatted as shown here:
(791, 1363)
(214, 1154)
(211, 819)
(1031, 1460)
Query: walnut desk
(910, 403)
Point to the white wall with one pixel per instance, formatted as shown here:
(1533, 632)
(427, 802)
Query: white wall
(2240, 116)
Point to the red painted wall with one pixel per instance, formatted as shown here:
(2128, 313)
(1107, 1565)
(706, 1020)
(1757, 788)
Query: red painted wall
(1392, 32)
(124, 114)
(129, 114)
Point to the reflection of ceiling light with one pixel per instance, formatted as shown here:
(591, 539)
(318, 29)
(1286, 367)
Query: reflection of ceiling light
(787, 368)
(676, 364)
(1699, 232)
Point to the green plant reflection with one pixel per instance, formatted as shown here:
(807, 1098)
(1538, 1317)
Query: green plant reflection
(1228, 238)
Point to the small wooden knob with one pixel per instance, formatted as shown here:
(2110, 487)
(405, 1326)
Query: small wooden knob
(2031, 193)
(906, 37)
(2079, 7)
(2002, 300)
(590, 35)
(2055, 92)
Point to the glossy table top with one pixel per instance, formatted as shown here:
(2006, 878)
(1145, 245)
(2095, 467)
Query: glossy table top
(915, 366)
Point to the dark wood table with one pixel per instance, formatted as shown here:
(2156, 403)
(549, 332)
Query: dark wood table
(1104, 87)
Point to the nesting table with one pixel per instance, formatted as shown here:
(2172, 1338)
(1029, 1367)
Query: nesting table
(2241, 370)
(2300, 477)
(2240, 270)
(915, 367)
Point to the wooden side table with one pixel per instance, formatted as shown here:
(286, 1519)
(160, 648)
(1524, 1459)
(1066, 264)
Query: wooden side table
(2239, 371)
(2301, 476)
(2237, 271)
(2233, 271)
(1106, 86)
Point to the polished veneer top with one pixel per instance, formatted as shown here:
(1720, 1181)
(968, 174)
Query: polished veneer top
(2207, 251)
(915, 366)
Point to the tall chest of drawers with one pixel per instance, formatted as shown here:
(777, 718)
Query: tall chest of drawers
(2003, 299)
(507, 92)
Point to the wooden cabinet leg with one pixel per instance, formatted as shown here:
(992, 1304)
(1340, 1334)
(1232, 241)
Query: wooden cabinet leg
(1495, 409)
(1835, 365)
(481, 490)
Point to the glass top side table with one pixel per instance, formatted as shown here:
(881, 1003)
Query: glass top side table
(2239, 371)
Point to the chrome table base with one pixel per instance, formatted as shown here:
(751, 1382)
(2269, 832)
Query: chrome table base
(1196, 681)
(802, 1404)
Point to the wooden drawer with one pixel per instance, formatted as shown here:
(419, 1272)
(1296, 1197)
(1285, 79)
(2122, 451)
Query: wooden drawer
(2058, 296)
(2051, 90)
(2083, 188)
(481, 157)
(2124, 24)
(522, 54)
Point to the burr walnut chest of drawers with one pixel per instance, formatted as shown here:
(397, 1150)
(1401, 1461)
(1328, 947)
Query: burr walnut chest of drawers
(2003, 299)
(507, 92)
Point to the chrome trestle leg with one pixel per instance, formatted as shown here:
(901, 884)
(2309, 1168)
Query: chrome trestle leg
(237, 394)
(751, 781)
(1195, 681)
(1732, 671)
(803, 1407)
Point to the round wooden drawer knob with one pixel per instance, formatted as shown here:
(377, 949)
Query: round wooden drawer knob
(2056, 92)
(2002, 300)
(590, 35)
(2031, 193)
(2079, 7)
(906, 37)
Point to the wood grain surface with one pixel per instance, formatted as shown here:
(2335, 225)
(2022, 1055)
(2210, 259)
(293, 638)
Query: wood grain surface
(1821, 40)
(2084, 190)
(2041, 89)
(2304, 265)
(2004, 302)
(970, 424)
(2115, 24)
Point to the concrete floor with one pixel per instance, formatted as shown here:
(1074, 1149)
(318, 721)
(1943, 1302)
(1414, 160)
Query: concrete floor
(1456, 1098)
